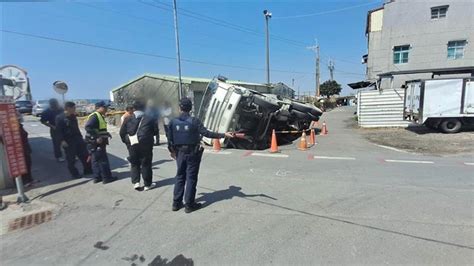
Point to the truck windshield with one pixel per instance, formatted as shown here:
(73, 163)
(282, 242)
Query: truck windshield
(206, 99)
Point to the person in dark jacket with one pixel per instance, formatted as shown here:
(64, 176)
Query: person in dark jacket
(71, 139)
(48, 118)
(184, 137)
(27, 178)
(151, 110)
(97, 138)
(140, 154)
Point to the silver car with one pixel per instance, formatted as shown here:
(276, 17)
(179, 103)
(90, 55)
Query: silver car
(39, 107)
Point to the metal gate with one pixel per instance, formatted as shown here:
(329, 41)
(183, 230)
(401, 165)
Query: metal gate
(382, 108)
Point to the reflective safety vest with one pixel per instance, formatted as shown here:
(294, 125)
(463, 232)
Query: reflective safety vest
(102, 124)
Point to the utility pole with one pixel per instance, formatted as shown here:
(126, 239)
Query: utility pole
(331, 68)
(178, 54)
(293, 86)
(315, 48)
(267, 15)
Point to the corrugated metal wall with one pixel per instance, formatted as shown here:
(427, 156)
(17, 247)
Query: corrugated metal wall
(381, 108)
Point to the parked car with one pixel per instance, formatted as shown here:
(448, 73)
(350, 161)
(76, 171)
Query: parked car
(24, 107)
(39, 107)
(226, 107)
(87, 106)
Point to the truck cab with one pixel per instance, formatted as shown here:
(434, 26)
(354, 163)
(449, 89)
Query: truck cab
(227, 107)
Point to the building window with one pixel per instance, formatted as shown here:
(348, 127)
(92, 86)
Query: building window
(400, 54)
(456, 49)
(439, 12)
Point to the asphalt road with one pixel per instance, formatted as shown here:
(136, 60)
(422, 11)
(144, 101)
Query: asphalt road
(344, 201)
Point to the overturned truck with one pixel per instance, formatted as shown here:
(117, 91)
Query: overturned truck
(226, 107)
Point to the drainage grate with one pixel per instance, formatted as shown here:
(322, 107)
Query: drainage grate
(30, 220)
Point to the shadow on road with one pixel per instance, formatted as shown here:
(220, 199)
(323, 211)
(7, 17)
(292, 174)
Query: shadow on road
(47, 171)
(422, 130)
(226, 194)
(179, 260)
(54, 191)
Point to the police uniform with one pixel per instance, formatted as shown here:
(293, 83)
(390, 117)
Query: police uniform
(67, 129)
(96, 127)
(184, 137)
(49, 116)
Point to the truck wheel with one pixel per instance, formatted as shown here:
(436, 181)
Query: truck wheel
(450, 125)
(430, 124)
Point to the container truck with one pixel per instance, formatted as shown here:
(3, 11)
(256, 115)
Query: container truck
(443, 104)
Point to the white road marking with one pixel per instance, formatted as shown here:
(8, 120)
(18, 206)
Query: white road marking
(269, 155)
(334, 158)
(469, 164)
(409, 161)
(34, 125)
(218, 152)
(392, 148)
(161, 147)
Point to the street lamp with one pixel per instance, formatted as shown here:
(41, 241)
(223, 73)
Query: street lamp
(267, 15)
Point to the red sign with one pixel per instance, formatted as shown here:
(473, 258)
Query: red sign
(10, 134)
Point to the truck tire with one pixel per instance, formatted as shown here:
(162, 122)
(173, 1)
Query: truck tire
(430, 124)
(306, 109)
(450, 125)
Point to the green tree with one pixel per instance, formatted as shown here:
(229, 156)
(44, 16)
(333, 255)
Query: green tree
(330, 87)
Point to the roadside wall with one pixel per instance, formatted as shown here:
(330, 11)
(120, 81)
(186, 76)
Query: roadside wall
(382, 108)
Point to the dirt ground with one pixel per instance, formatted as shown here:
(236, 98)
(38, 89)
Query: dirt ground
(420, 139)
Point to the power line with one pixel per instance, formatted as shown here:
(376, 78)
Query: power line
(143, 53)
(159, 23)
(328, 11)
(223, 23)
(154, 21)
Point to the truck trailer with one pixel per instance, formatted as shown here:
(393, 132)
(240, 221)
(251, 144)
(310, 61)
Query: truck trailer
(443, 104)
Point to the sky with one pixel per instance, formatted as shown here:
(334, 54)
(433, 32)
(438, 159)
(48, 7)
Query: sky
(226, 38)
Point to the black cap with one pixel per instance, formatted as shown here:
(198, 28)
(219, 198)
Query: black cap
(186, 104)
(101, 104)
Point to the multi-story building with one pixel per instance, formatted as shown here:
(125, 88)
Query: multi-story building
(417, 39)
(414, 39)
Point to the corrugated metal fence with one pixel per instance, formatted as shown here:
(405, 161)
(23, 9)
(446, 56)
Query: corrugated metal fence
(381, 108)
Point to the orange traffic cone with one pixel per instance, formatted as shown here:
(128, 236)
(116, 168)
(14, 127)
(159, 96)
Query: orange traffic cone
(324, 130)
(303, 145)
(312, 137)
(217, 145)
(274, 145)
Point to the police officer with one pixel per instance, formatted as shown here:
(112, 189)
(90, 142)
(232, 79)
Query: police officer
(48, 118)
(97, 139)
(184, 136)
(71, 140)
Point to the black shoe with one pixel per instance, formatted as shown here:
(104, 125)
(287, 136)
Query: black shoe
(110, 180)
(177, 206)
(97, 180)
(192, 207)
